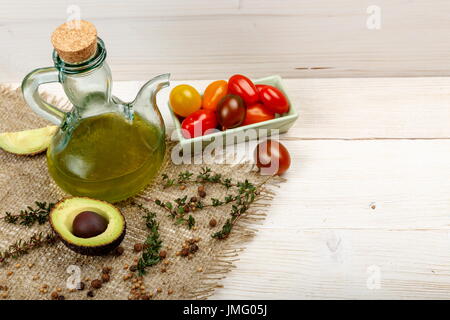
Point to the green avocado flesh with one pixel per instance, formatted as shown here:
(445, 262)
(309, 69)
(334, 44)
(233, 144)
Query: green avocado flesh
(64, 213)
(28, 142)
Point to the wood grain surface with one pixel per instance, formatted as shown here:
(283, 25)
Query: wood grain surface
(201, 39)
(365, 209)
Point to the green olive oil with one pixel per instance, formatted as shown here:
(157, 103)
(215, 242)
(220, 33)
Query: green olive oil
(106, 157)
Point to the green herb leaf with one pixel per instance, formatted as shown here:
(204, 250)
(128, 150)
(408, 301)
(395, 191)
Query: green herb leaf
(191, 222)
(31, 215)
(153, 243)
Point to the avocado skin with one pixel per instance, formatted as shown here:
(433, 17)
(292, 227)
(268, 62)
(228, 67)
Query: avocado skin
(98, 250)
(85, 250)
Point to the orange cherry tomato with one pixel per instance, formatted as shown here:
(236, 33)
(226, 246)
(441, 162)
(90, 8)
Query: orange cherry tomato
(184, 100)
(257, 113)
(214, 92)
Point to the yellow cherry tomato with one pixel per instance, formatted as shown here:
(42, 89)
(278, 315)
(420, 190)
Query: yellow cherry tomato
(214, 93)
(184, 100)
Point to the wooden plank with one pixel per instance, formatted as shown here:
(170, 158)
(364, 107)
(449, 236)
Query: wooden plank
(371, 108)
(323, 239)
(334, 184)
(338, 264)
(209, 39)
(103, 9)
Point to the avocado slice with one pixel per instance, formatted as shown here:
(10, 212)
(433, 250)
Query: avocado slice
(62, 219)
(28, 142)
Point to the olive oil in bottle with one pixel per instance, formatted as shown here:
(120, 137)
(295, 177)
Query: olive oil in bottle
(106, 157)
(105, 148)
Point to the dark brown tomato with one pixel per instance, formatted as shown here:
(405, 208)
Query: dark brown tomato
(231, 111)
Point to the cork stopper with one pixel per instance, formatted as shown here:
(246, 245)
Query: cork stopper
(75, 41)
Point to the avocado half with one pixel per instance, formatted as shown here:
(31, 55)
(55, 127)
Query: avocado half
(63, 214)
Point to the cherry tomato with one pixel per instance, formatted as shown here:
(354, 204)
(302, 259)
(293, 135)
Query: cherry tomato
(259, 87)
(272, 157)
(242, 86)
(198, 122)
(274, 100)
(257, 113)
(214, 92)
(184, 100)
(230, 111)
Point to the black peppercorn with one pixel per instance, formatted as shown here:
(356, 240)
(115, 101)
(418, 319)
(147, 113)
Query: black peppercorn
(105, 277)
(106, 270)
(185, 252)
(119, 251)
(212, 223)
(193, 248)
(133, 268)
(96, 284)
(138, 247)
(201, 191)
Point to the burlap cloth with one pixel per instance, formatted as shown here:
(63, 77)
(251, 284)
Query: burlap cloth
(24, 180)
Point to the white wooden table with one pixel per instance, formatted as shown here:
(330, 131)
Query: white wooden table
(365, 211)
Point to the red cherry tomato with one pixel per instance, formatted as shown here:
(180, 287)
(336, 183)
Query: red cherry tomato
(274, 100)
(257, 113)
(198, 122)
(259, 87)
(242, 86)
(272, 157)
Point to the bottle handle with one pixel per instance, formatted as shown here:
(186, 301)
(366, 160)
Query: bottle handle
(30, 91)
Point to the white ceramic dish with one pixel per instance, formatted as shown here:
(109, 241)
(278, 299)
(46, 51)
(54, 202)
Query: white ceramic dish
(282, 123)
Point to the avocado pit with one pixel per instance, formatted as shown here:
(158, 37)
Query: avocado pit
(88, 224)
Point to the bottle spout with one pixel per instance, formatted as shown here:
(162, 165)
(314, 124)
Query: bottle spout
(149, 90)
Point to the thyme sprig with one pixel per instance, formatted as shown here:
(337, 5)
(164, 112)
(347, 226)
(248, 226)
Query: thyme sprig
(205, 175)
(178, 210)
(183, 178)
(153, 243)
(245, 194)
(23, 247)
(30, 215)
